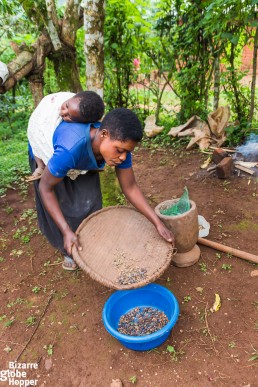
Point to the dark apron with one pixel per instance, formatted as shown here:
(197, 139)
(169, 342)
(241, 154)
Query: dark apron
(77, 199)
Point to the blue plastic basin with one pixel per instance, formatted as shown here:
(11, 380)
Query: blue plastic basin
(122, 301)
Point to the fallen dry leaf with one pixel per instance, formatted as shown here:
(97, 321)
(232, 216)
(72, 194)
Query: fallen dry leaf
(217, 303)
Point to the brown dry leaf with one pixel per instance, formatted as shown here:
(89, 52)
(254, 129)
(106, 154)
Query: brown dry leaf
(151, 129)
(218, 120)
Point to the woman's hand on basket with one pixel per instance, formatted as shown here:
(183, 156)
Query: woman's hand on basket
(166, 233)
(70, 239)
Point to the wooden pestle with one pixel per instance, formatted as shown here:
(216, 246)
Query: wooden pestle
(229, 250)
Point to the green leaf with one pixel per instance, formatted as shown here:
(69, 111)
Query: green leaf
(227, 35)
(234, 40)
(171, 349)
(133, 379)
(254, 357)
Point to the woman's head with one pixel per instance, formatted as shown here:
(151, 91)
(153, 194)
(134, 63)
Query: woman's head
(122, 124)
(86, 106)
(120, 131)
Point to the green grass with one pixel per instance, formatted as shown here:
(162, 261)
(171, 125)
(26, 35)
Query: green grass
(14, 116)
(13, 161)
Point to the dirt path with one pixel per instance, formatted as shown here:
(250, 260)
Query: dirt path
(71, 345)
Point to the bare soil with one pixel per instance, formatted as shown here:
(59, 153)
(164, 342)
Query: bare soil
(71, 344)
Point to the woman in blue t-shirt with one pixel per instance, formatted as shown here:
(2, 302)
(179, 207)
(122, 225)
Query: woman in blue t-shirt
(63, 202)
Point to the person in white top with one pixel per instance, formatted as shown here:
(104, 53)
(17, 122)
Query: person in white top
(85, 107)
(4, 73)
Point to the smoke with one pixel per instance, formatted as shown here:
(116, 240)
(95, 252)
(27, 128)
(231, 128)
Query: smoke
(250, 149)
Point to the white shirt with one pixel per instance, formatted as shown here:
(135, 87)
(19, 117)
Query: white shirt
(43, 122)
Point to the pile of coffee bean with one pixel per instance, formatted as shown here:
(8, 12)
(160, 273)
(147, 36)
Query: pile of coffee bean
(142, 321)
(132, 276)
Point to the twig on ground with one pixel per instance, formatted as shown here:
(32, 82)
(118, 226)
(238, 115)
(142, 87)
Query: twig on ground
(36, 327)
(198, 301)
(107, 291)
(31, 262)
(11, 342)
(55, 264)
(207, 175)
(208, 329)
(220, 376)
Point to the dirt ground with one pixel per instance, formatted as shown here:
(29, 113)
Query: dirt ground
(71, 345)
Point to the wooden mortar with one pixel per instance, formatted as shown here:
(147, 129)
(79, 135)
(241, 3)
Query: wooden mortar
(185, 227)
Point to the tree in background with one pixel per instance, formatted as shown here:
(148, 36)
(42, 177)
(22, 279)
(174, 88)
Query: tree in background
(94, 17)
(55, 41)
(121, 47)
(188, 51)
(193, 46)
(232, 24)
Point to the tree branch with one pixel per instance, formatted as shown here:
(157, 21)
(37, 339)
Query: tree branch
(52, 24)
(51, 10)
(26, 61)
(71, 21)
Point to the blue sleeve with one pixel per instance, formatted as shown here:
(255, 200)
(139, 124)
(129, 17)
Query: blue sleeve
(127, 163)
(30, 151)
(61, 161)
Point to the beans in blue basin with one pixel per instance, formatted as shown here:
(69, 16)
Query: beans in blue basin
(142, 321)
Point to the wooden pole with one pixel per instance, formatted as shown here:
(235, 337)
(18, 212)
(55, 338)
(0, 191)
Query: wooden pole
(229, 250)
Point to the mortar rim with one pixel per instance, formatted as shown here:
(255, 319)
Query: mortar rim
(157, 209)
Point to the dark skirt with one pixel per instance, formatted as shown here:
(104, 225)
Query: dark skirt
(77, 199)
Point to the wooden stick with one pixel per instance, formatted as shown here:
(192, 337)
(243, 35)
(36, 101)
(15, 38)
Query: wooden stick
(247, 164)
(244, 169)
(225, 149)
(229, 250)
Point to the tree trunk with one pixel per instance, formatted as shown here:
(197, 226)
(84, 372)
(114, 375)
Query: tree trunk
(159, 98)
(66, 70)
(216, 82)
(36, 82)
(233, 81)
(253, 76)
(94, 15)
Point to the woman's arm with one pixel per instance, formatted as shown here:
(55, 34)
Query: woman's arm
(48, 196)
(135, 196)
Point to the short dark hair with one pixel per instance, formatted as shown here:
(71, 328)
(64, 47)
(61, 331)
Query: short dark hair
(123, 125)
(91, 106)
